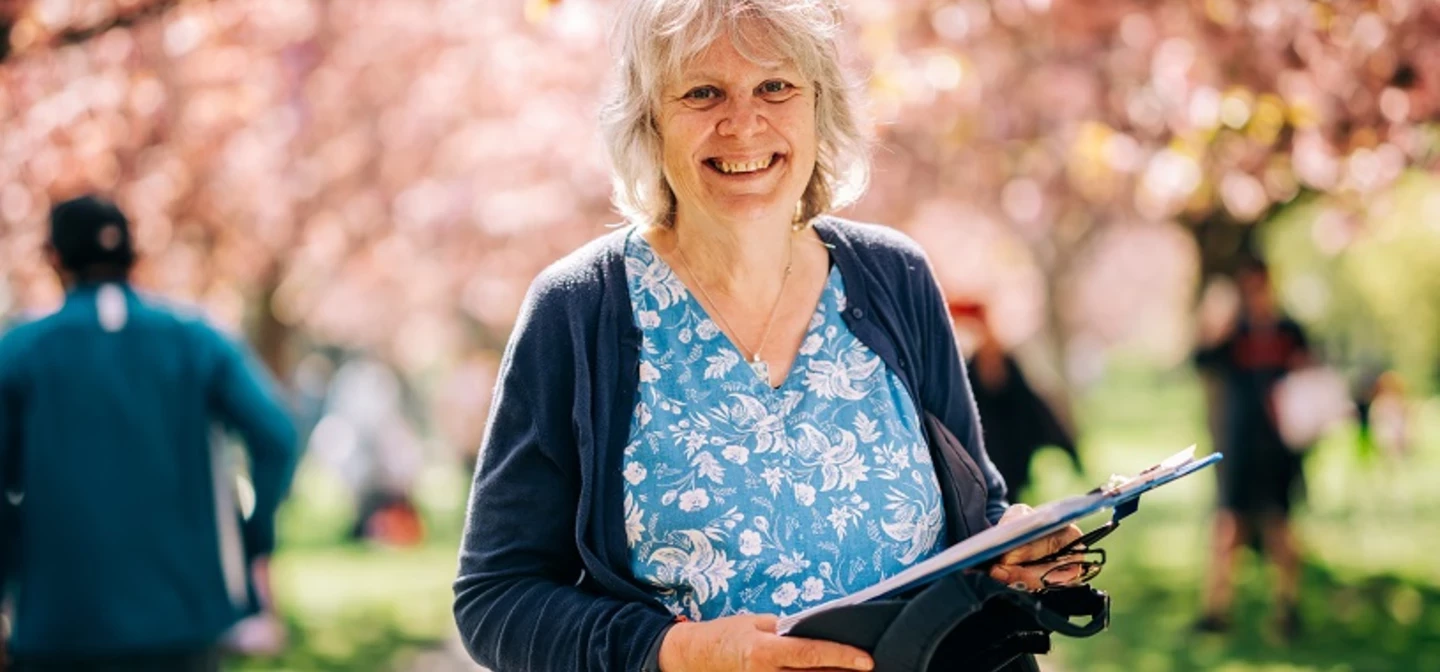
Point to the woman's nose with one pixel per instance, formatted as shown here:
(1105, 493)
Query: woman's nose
(742, 117)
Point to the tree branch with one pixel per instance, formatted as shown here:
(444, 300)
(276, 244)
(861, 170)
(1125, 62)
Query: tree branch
(70, 36)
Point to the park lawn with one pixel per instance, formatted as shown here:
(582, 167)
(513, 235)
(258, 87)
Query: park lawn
(357, 609)
(1371, 599)
(351, 607)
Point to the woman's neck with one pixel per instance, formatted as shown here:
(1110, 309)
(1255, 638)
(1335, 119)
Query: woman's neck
(743, 260)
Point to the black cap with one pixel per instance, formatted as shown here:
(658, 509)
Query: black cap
(89, 231)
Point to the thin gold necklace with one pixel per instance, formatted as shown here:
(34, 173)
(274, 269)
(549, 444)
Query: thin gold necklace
(758, 365)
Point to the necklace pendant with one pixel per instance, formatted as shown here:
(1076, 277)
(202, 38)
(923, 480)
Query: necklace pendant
(762, 370)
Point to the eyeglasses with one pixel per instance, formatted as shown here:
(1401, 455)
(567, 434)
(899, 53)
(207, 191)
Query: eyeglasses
(1078, 563)
(1078, 567)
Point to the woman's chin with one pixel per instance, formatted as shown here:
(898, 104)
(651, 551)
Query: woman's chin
(747, 208)
(746, 205)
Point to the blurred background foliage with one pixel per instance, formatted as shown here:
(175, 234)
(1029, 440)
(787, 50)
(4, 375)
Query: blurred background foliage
(375, 182)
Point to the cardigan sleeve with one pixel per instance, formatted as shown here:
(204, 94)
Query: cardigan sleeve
(518, 601)
(948, 395)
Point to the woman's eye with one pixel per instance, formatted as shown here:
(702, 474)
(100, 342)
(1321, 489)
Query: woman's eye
(774, 86)
(703, 93)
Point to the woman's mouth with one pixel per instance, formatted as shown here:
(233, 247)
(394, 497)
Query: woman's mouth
(739, 168)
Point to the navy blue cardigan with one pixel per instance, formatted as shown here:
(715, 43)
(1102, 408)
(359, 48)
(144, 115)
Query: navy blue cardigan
(544, 580)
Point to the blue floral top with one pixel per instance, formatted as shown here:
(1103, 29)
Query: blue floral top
(742, 498)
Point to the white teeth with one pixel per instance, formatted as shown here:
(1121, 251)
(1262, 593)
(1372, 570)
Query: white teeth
(747, 167)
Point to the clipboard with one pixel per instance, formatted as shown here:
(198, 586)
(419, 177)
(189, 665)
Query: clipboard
(1120, 494)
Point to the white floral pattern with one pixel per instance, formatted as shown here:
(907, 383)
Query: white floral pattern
(742, 498)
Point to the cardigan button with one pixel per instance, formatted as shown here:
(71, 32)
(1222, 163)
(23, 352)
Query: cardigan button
(857, 313)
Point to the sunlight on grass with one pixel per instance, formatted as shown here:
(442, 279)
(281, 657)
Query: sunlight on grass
(361, 608)
(327, 583)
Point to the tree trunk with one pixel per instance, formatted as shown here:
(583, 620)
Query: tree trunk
(272, 337)
(1055, 338)
(10, 12)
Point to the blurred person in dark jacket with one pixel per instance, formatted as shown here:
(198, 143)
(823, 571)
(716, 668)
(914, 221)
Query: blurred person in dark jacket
(128, 550)
(1260, 476)
(1016, 420)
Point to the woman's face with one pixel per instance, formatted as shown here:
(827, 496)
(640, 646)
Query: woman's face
(738, 138)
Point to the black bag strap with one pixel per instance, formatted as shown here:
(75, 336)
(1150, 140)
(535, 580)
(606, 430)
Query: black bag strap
(1056, 608)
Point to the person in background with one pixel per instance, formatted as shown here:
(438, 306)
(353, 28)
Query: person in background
(129, 552)
(1017, 421)
(366, 436)
(1260, 475)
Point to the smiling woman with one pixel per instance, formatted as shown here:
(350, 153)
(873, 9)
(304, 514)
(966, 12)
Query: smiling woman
(738, 137)
(660, 48)
(642, 501)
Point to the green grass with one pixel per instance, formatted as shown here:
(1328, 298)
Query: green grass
(1371, 588)
(358, 609)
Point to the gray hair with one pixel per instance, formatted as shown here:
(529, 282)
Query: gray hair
(655, 38)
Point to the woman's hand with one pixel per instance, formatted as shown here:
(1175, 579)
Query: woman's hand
(748, 643)
(1008, 569)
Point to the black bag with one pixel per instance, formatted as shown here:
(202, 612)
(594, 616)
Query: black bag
(963, 621)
